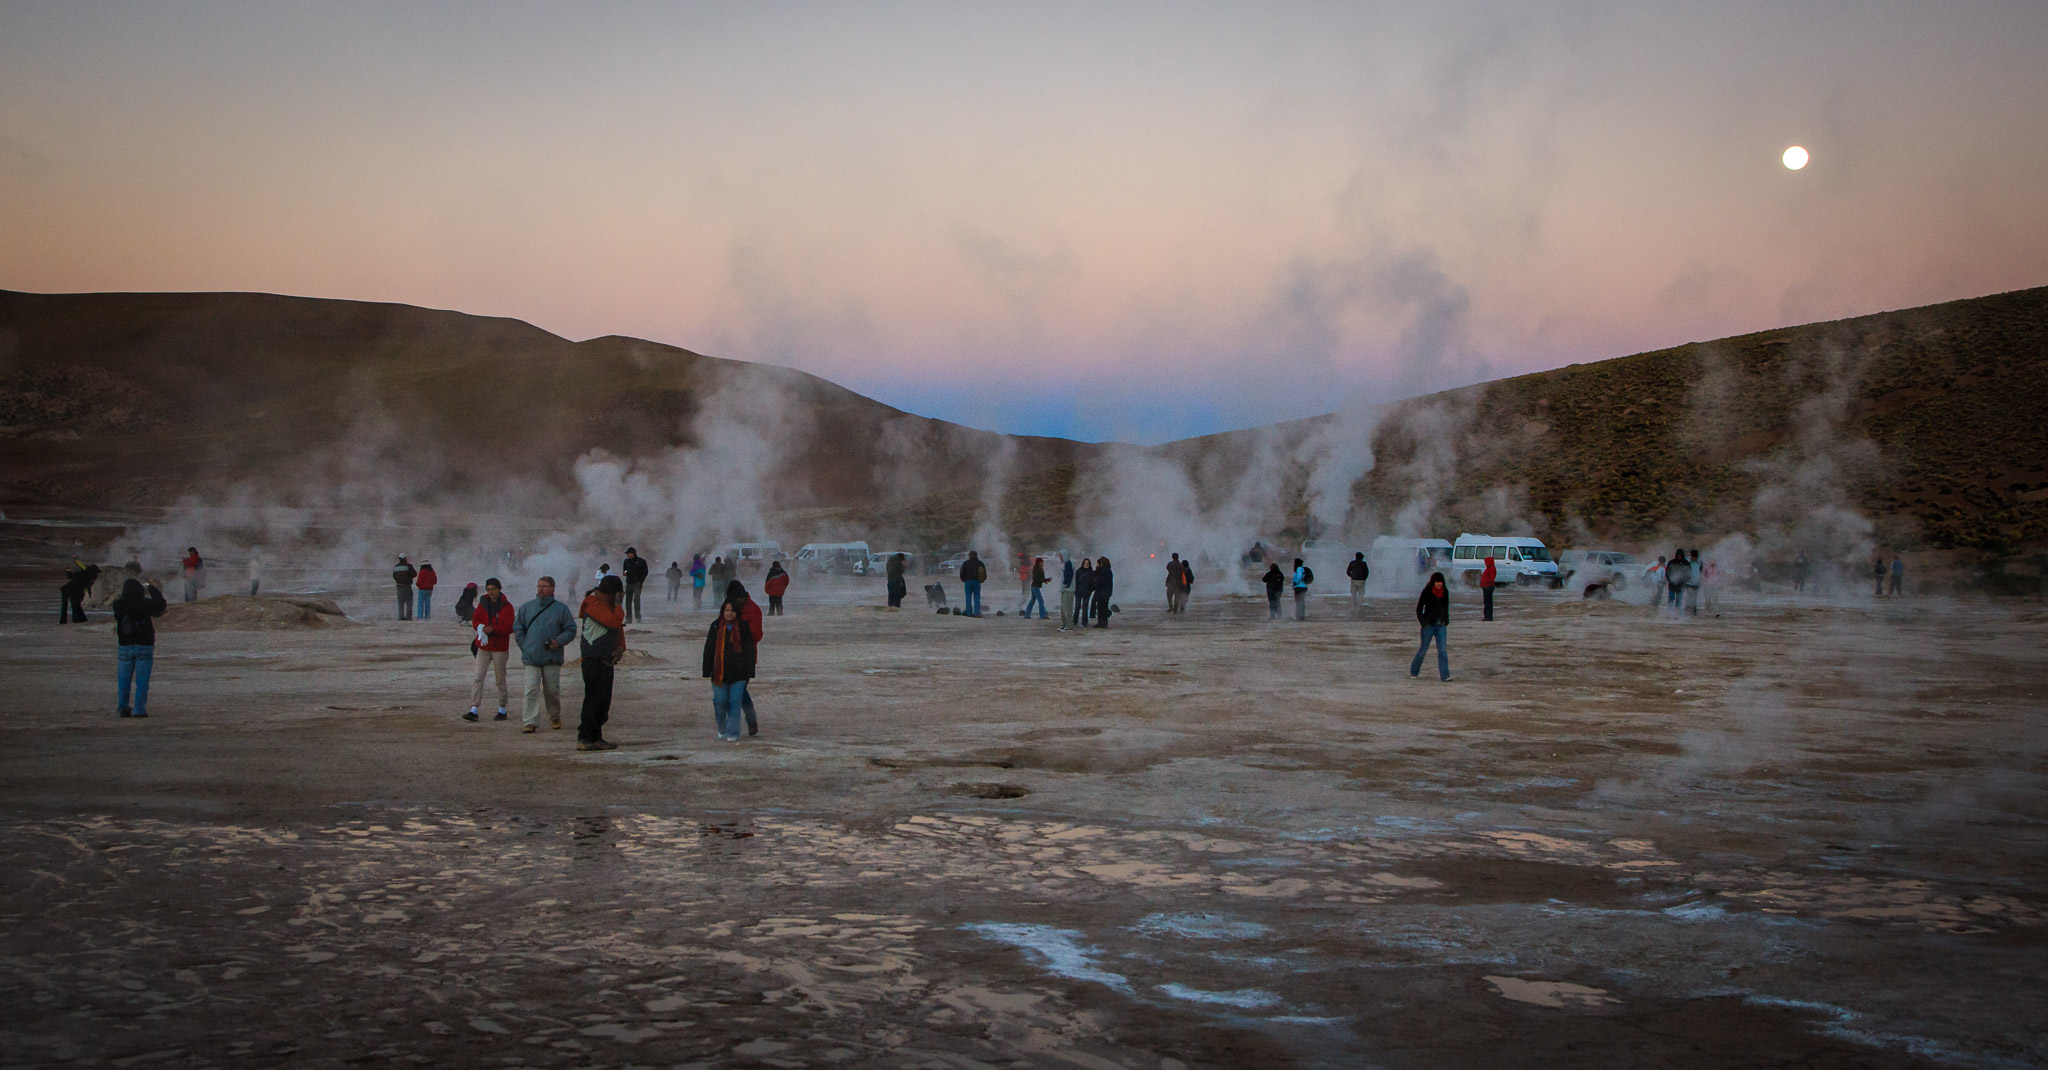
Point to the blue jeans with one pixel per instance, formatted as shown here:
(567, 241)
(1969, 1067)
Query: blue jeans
(1676, 592)
(1037, 599)
(426, 602)
(727, 701)
(971, 604)
(136, 662)
(1442, 635)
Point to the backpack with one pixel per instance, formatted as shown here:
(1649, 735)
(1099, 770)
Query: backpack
(1308, 575)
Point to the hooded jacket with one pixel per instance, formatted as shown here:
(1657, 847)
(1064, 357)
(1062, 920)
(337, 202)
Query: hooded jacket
(1275, 579)
(1105, 585)
(750, 610)
(426, 579)
(729, 651)
(134, 614)
(776, 582)
(539, 620)
(466, 603)
(1434, 609)
(1358, 570)
(496, 618)
(1489, 574)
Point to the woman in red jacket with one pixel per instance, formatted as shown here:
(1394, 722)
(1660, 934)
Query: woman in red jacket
(424, 584)
(776, 582)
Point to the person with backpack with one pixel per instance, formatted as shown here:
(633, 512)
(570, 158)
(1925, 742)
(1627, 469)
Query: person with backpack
(1038, 582)
(972, 573)
(601, 631)
(729, 661)
(1487, 575)
(1358, 572)
(675, 581)
(697, 571)
(1274, 580)
(897, 587)
(775, 583)
(1103, 590)
(543, 628)
(1303, 576)
(135, 613)
(195, 574)
(1187, 582)
(494, 619)
(403, 574)
(1433, 612)
(635, 569)
(424, 584)
(1084, 591)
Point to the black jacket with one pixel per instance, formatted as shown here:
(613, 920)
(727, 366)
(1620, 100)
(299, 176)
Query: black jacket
(1357, 569)
(635, 568)
(134, 613)
(739, 664)
(974, 569)
(1105, 585)
(1433, 609)
(403, 575)
(1084, 582)
(1275, 579)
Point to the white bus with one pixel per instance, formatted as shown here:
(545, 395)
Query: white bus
(1517, 560)
(844, 557)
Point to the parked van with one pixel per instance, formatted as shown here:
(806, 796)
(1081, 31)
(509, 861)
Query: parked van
(1611, 567)
(841, 557)
(1517, 559)
(1391, 556)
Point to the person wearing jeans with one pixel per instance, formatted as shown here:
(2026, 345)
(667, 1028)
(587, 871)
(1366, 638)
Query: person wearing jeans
(135, 613)
(423, 586)
(1038, 582)
(1433, 612)
(972, 573)
(729, 657)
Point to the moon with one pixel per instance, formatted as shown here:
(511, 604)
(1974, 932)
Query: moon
(1795, 158)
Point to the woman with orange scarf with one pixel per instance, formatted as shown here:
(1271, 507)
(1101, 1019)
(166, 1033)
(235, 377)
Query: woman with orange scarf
(728, 664)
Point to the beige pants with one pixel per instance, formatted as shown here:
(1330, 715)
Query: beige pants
(543, 683)
(484, 660)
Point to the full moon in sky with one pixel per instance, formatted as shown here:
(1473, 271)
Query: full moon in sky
(1795, 158)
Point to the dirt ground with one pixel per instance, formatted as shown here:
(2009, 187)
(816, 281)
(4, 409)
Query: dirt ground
(1798, 834)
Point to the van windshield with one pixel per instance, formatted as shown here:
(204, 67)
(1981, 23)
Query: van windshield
(1535, 553)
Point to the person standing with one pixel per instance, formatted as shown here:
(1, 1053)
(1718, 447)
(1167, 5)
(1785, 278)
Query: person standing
(543, 628)
(775, 583)
(697, 571)
(750, 615)
(1173, 584)
(675, 581)
(424, 584)
(601, 632)
(494, 619)
(1695, 573)
(1898, 573)
(135, 613)
(721, 573)
(1024, 585)
(1084, 591)
(195, 574)
(1303, 576)
(635, 569)
(1066, 591)
(1710, 581)
(1105, 588)
(1275, 580)
(1038, 582)
(1801, 568)
(729, 661)
(1487, 576)
(1878, 572)
(1358, 572)
(972, 573)
(897, 587)
(403, 574)
(1676, 572)
(1187, 582)
(78, 579)
(1433, 612)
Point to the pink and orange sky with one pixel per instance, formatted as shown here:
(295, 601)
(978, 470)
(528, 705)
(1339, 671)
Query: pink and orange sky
(1134, 221)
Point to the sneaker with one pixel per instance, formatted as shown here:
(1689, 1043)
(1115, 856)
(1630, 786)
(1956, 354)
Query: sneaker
(500, 716)
(589, 744)
(1415, 676)
(470, 716)
(530, 729)
(1448, 679)
(125, 712)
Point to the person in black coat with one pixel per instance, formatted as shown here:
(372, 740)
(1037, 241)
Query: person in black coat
(1105, 586)
(1433, 612)
(729, 660)
(1275, 581)
(1084, 590)
(78, 579)
(135, 613)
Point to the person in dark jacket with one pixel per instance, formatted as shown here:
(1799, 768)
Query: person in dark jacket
(897, 587)
(403, 574)
(465, 605)
(1084, 591)
(1173, 584)
(1187, 582)
(135, 613)
(635, 569)
(78, 579)
(1358, 572)
(750, 615)
(601, 628)
(1275, 581)
(775, 583)
(675, 580)
(1677, 573)
(1038, 582)
(1433, 612)
(1801, 567)
(972, 574)
(729, 661)
(1105, 588)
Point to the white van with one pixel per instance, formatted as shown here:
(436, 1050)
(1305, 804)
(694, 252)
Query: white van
(834, 556)
(1391, 556)
(1517, 559)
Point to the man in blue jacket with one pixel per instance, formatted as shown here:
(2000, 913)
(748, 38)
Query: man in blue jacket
(543, 628)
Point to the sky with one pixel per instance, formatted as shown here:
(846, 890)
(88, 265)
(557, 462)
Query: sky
(1104, 220)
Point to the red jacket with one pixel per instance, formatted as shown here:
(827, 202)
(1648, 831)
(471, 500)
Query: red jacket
(497, 626)
(750, 612)
(1487, 574)
(426, 579)
(776, 584)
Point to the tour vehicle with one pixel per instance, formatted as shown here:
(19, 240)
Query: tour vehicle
(1517, 560)
(842, 557)
(1611, 567)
